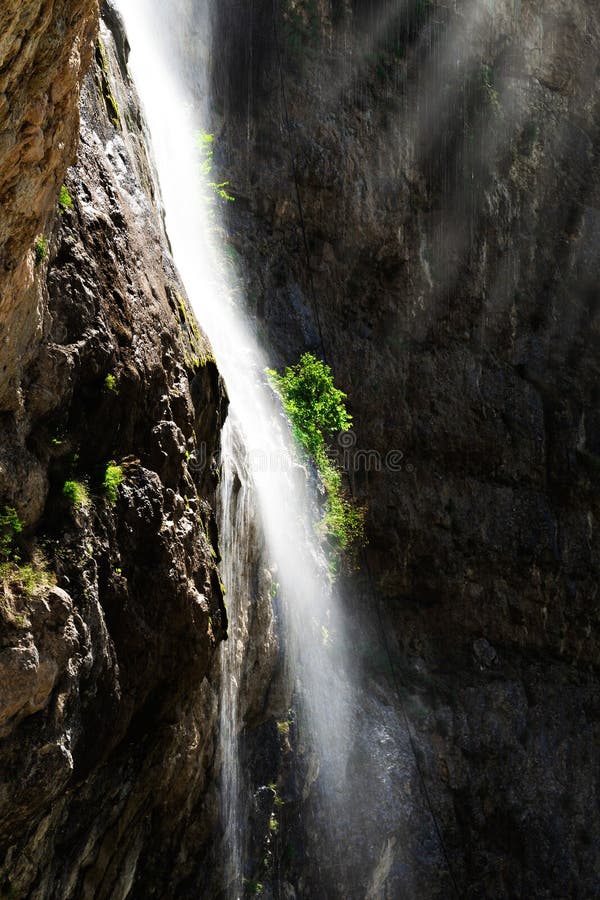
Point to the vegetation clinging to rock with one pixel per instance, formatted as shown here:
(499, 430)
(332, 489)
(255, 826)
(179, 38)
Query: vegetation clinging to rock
(76, 493)
(110, 383)
(65, 201)
(317, 411)
(205, 143)
(13, 575)
(41, 250)
(112, 479)
(10, 526)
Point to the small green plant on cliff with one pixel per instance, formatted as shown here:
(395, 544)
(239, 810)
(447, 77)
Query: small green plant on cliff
(77, 494)
(13, 575)
(343, 522)
(187, 318)
(10, 527)
(26, 579)
(65, 201)
(41, 250)
(110, 383)
(317, 411)
(283, 727)
(205, 143)
(112, 479)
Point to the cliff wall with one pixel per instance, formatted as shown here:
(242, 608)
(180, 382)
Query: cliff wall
(446, 161)
(111, 606)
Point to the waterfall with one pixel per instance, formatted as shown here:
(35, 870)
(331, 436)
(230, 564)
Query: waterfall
(260, 476)
(236, 535)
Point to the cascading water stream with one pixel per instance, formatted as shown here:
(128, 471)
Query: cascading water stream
(236, 534)
(258, 465)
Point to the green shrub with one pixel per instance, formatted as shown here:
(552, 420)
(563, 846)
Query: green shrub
(112, 479)
(317, 411)
(77, 494)
(65, 201)
(28, 579)
(41, 250)
(110, 383)
(10, 527)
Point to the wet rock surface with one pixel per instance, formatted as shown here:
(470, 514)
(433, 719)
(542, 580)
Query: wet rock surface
(446, 159)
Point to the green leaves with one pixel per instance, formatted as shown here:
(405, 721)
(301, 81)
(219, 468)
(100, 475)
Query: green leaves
(41, 250)
(77, 494)
(112, 479)
(205, 143)
(65, 201)
(317, 411)
(10, 526)
(315, 406)
(110, 383)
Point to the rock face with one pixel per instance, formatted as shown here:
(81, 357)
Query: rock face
(111, 606)
(45, 49)
(446, 157)
(446, 160)
(447, 171)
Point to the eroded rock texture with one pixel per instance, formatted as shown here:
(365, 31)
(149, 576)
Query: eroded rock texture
(107, 717)
(45, 49)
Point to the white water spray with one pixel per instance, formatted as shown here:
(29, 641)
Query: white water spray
(236, 534)
(257, 449)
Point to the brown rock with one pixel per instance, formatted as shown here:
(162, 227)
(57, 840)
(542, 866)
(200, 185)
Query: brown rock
(52, 60)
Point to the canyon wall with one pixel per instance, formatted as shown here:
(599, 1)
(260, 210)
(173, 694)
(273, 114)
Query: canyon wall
(111, 606)
(45, 50)
(445, 158)
(444, 260)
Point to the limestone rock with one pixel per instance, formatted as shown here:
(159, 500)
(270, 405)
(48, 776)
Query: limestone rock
(45, 50)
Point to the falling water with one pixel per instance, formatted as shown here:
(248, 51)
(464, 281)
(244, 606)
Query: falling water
(236, 536)
(259, 472)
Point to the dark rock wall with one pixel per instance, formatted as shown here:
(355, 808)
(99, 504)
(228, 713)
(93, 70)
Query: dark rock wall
(448, 173)
(446, 157)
